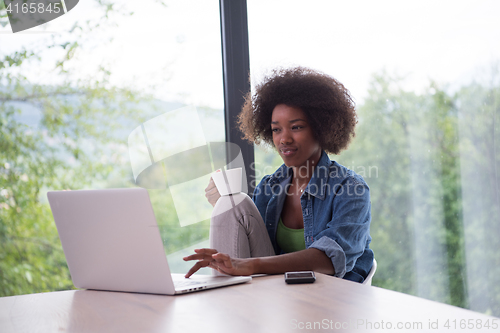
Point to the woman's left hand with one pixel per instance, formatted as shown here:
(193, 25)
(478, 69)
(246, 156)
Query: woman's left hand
(220, 262)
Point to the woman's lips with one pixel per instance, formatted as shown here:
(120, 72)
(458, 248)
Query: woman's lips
(288, 151)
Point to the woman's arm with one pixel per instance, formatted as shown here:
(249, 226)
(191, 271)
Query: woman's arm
(305, 260)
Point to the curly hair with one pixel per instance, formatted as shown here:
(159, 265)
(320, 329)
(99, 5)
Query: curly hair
(327, 104)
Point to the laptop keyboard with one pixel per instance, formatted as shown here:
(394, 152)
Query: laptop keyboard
(187, 283)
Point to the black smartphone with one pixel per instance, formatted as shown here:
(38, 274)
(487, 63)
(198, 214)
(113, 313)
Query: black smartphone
(300, 277)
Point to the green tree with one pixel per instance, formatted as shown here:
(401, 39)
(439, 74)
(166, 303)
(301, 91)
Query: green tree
(70, 133)
(53, 136)
(431, 161)
(478, 106)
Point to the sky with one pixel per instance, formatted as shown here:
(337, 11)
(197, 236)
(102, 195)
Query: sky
(174, 52)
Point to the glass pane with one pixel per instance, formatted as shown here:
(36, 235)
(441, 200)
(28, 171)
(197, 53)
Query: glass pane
(426, 80)
(82, 98)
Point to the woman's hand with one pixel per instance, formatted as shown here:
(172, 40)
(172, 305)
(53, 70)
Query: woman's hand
(220, 262)
(212, 193)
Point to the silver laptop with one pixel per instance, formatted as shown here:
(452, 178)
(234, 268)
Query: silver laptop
(112, 242)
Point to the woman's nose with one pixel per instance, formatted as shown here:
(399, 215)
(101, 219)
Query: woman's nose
(286, 138)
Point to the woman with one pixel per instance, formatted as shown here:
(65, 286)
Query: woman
(316, 212)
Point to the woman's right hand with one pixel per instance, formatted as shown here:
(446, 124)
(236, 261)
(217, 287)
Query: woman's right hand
(211, 192)
(220, 262)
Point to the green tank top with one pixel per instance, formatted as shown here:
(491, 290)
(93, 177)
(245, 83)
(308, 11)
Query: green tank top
(290, 240)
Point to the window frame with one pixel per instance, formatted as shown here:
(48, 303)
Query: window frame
(236, 73)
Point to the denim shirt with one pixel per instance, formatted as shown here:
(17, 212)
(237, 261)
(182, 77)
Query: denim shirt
(336, 213)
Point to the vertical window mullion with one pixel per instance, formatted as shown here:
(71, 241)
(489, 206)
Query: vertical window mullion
(236, 70)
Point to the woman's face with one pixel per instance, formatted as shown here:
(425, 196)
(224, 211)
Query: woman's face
(293, 137)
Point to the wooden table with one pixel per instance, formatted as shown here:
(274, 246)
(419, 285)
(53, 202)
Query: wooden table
(266, 304)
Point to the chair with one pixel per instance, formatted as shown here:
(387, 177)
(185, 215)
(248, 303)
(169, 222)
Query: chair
(368, 280)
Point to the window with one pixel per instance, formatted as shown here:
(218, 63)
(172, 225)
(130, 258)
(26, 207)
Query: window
(425, 78)
(72, 91)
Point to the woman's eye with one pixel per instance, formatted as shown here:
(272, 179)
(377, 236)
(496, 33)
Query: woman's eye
(297, 127)
(275, 129)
